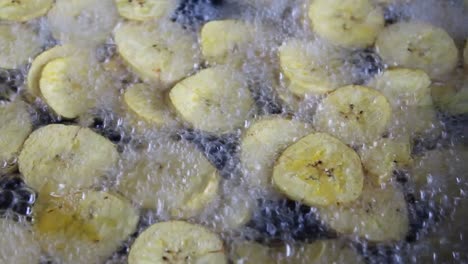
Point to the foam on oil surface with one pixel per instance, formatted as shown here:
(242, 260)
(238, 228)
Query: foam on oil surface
(275, 21)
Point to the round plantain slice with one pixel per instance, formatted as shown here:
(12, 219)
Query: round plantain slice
(348, 23)
(261, 144)
(15, 127)
(419, 46)
(162, 53)
(142, 10)
(87, 22)
(148, 105)
(312, 67)
(65, 86)
(58, 158)
(214, 100)
(18, 43)
(177, 242)
(384, 156)
(222, 39)
(319, 170)
(17, 244)
(354, 114)
(379, 215)
(24, 10)
(404, 87)
(175, 177)
(35, 71)
(84, 227)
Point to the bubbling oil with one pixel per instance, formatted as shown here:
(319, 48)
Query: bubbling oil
(437, 201)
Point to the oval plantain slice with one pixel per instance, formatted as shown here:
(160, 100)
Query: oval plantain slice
(319, 170)
(19, 44)
(348, 23)
(24, 10)
(175, 177)
(312, 67)
(84, 227)
(384, 156)
(65, 87)
(148, 105)
(162, 53)
(17, 244)
(177, 242)
(87, 22)
(142, 10)
(380, 215)
(222, 39)
(262, 142)
(404, 87)
(419, 46)
(15, 127)
(58, 158)
(214, 100)
(35, 71)
(354, 114)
